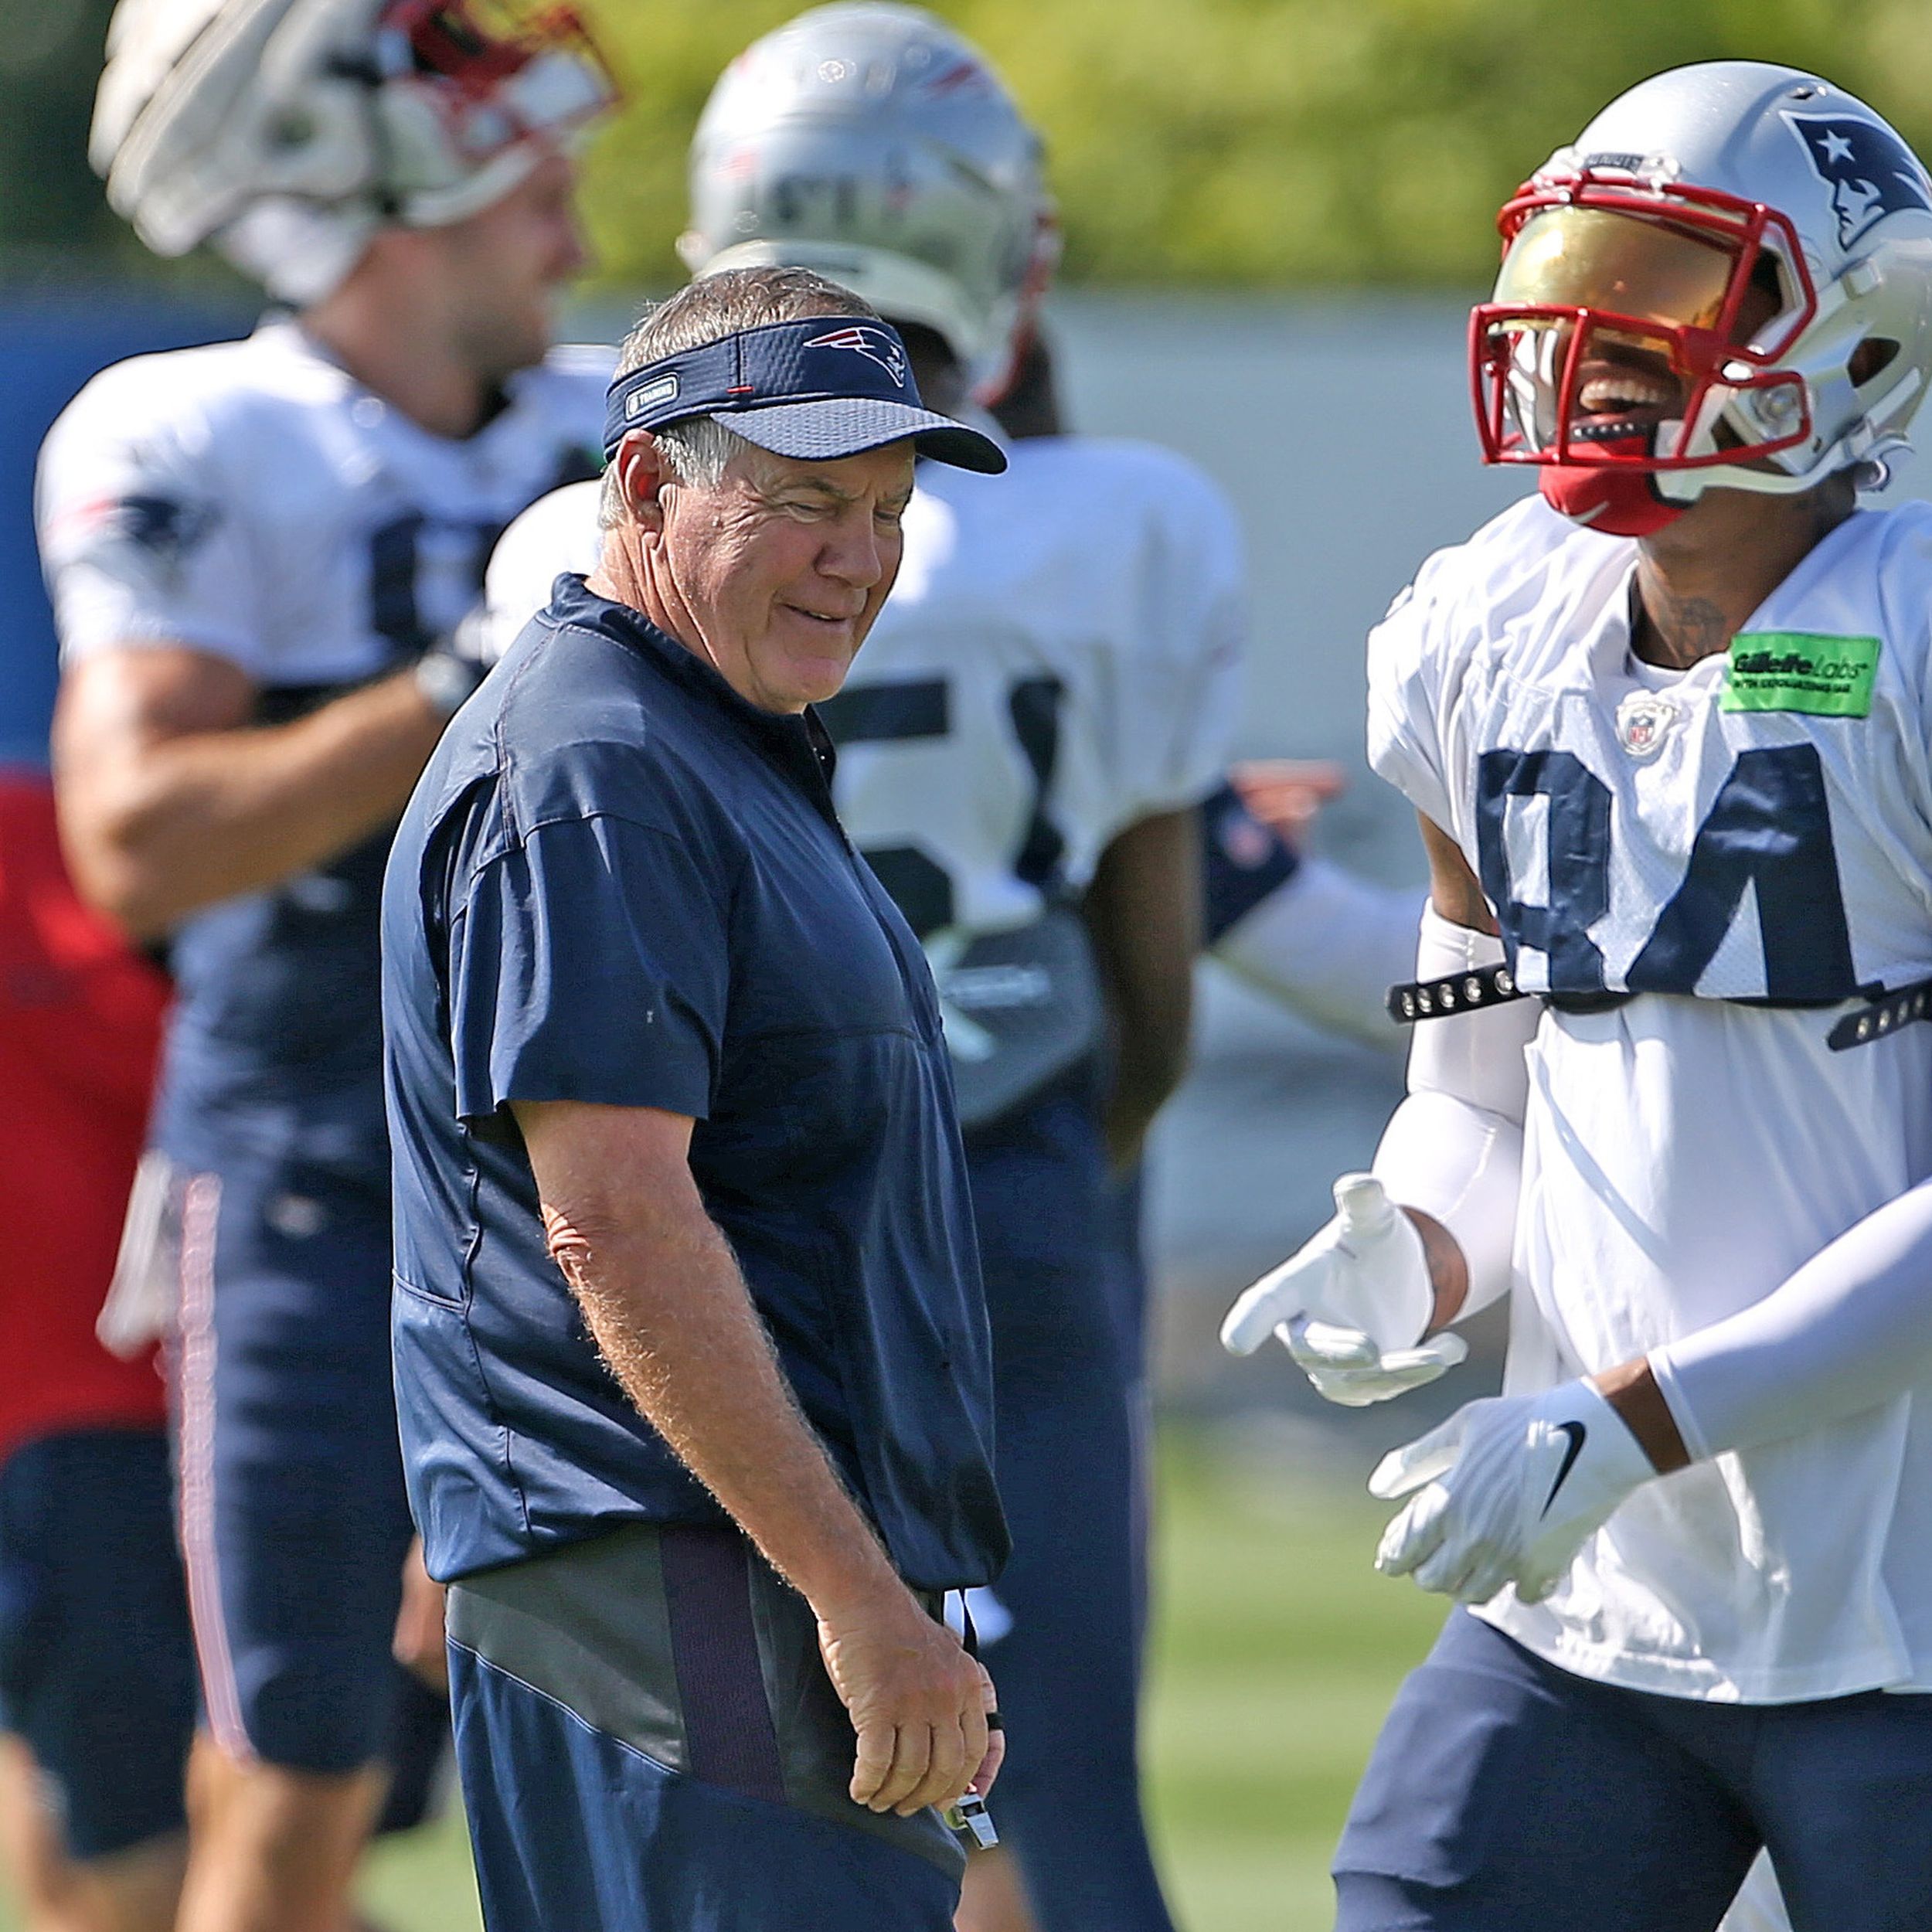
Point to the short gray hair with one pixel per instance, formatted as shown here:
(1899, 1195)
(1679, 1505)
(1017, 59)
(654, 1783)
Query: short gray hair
(697, 452)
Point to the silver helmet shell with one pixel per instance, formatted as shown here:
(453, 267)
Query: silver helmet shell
(874, 144)
(1845, 359)
(288, 130)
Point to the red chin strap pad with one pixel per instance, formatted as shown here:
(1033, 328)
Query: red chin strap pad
(1614, 501)
(1617, 501)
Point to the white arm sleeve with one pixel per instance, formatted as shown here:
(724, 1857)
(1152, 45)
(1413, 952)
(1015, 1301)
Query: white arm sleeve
(1328, 945)
(1453, 1148)
(1850, 1330)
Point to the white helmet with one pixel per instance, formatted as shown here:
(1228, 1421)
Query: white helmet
(1767, 232)
(874, 144)
(288, 130)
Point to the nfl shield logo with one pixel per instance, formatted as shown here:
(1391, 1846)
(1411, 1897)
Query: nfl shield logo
(1643, 719)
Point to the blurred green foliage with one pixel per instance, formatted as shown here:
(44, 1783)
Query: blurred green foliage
(1269, 142)
(49, 57)
(1280, 143)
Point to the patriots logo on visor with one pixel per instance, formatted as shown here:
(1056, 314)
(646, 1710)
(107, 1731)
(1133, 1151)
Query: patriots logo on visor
(1870, 171)
(875, 345)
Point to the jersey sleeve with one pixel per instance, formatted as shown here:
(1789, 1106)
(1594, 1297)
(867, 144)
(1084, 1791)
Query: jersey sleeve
(1406, 692)
(1180, 696)
(589, 962)
(558, 533)
(140, 538)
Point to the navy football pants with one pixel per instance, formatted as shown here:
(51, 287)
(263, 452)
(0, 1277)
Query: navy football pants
(1507, 1795)
(294, 1523)
(1064, 1294)
(96, 1664)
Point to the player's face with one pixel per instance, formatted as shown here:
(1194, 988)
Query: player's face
(506, 265)
(1628, 381)
(1605, 320)
(781, 569)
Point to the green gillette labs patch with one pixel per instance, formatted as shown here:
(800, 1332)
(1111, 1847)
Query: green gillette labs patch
(1801, 671)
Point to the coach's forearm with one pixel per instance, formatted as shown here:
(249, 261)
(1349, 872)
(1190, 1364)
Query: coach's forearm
(661, 1290)
(670, 1315)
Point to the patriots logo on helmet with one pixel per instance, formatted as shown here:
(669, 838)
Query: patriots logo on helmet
(165, 524)
(1870, 171)
(874, 343)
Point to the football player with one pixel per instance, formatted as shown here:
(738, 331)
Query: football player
(1665, 724)
(96, 1671)
(260, 553)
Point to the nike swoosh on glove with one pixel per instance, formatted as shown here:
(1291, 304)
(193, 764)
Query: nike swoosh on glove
(1350, 1304)
(1507, 1491)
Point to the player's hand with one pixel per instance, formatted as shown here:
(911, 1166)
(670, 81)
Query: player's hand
(456, 663)
(1507, 1491)
(1346, 1367)
(917, 1702)
(419, 1641)
(1351, 1303)
(1287, 794)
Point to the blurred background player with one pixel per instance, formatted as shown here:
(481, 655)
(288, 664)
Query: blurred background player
(259, 554)
(1666, 730)
(97, 1667)
(1024, 742)
(96, 1663)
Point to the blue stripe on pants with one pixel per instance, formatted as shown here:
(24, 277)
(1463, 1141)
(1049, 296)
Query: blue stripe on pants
(574, 1831)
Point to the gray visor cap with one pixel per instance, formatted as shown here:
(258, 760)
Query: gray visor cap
(819, 430)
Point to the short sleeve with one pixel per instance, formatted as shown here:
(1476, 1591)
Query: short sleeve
(589, 962)
(1406, 696)
(558, 533)
(1182, 693)
(137, 539)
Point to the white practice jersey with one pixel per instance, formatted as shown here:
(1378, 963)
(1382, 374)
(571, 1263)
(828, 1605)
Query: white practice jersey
(1059, 657)
(1757, 828)
(251, 500)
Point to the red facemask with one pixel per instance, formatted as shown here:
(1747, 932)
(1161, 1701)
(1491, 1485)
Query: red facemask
(1613, 499)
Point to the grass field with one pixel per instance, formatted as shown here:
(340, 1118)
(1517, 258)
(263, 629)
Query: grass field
(1277, 1650)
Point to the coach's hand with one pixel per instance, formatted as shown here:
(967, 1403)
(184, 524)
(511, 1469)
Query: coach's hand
(1507, 1491)
(1351, 1303)
(916, 1700)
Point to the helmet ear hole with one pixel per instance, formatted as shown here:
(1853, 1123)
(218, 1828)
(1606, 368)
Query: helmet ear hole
(1873, 357)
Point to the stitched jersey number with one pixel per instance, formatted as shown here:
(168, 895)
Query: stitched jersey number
(396, 560)
(914, 708)
(1769, 827)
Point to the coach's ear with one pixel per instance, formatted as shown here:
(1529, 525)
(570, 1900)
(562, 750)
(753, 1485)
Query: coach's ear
(641, 472)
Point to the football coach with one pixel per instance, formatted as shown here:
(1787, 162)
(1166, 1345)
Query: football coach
(691, 1355)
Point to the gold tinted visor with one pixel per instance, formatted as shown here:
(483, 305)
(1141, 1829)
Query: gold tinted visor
(1570, 257)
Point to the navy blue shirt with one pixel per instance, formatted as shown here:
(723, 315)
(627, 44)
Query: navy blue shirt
(618, 882)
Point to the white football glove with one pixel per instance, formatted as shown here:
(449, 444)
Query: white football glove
(1511, 1488)
(1346, 1367)
(1350, 1305)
